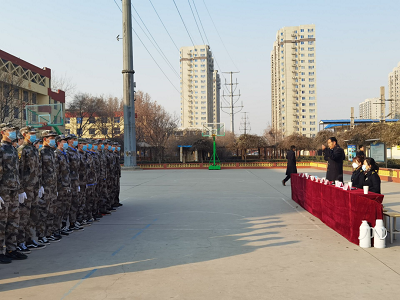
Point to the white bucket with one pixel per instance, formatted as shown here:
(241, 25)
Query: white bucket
(365, 235)
(380, 234)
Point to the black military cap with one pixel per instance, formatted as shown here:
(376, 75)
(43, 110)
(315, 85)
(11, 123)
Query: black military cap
(82, 140)
(47, 133)
(62, 137)
(28, 129)
(72, 136)
(20, 136)
(37, 141)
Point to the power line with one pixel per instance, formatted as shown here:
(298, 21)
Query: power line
(184, 23)
(177, 48)
(198, 28)
(150, 53)
(220, 36)
(155, 44)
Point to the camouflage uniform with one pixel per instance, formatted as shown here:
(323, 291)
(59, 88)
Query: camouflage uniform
(90, 186)
(118, 177)
(9, 186)
(110, 178)
(74, 162)
(47, 203)
(103, 181)
(29, 173)
(97, 165)
(63, 204)
(83, 171)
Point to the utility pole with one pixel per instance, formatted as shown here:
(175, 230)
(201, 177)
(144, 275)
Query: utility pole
(245, 124)
(232, 95)
(129, 87)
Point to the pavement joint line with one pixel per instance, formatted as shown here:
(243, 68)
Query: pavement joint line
(78, 283)
(136, 235)
(380, 261)
(192, 211)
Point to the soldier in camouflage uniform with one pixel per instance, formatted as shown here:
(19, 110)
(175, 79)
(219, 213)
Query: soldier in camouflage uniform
(63, 204)
(9, 197)
(91, 181)
(102, 178)
(45, 228)
(97, 165)
(118, 175)
(74, 162)
(30, 175)
(83, 174)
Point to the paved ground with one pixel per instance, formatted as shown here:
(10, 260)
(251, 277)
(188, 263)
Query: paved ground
(198, 234)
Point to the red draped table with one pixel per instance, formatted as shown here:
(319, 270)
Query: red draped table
(341, 210)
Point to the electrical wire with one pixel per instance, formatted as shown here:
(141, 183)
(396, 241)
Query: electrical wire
(184, 23)
(237, 69)
(150, 53)
(177, 48)
(198, 28)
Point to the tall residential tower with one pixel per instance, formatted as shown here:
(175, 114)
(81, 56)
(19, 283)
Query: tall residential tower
(394, 93)
(200, 87)
(294, 81)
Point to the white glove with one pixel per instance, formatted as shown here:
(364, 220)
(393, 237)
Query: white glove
(1, 202)
(22, 197)
(79, 189)
(41, 192)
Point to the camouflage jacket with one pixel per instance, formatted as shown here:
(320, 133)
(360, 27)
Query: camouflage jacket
(9, 166)
(49, 167)
(110, 164)
(103, 170)
(30, 172)
(118, 166)
(96, 162)
(91, 170)
(63, 177)
(74, 161)
(83, 168)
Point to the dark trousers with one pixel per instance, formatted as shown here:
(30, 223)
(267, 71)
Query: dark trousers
(286, 178)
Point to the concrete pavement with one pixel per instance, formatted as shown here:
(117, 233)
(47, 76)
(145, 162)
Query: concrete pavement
(199, 234)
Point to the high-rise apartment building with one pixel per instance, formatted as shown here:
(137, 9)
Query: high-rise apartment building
(294, 81)
(394, 93)
(370, 109)
(200, 87)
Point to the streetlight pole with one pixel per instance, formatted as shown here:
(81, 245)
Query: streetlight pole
(129, 87)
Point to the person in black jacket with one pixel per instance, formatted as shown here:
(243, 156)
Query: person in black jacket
(335, 157)
(361, 151)
(291, 164)
(371, 177)
(357, 178)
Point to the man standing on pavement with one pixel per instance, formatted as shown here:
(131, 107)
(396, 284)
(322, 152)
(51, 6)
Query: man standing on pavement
(63, 204)
(9, 197)
(83, 172)
(335, 157)
(30, 175)
(74, 161)
(47, 203)
(291, 164)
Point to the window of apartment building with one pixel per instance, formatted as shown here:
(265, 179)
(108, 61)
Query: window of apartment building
(203, 113)
(302, 43)
(79, 131)
(67, 131)
(312, 129)
(311, 98)
(310, 48)
(196, 66)
(303, 110)
(196, 86)
(34, 97)
(203, 107)
(16, 112)
(312, 104)
(302, 36)
(311, 92)
(312, 123)
(302, 55)
(303, 79)
(196, 107)
(303, 104)
(302, 61)
(104, 131)
(67, 120)
(311, 79)
(312, 117)
(281, 33)
(283, 105)
(202, 50)
(311, 30)
(312, 110)
(311, 43)
(303, 67)
(203, 86)
(92, 131)
(302, 73)
(203, 71)
(203, 92)
(282, 64)
(310, 73)
(303, 98)
(202, 60)
(202, 76)
(303, 85)
(78, 120)
(303, 92)
(310, 61)
(311, 67)
(203, 81)
(310, 54)
(301, 30)
(92, 120)
(25, 96)
(302, 49)
(117, 119)
(310, 36)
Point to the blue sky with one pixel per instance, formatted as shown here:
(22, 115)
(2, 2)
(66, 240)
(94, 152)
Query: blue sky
(357, 46)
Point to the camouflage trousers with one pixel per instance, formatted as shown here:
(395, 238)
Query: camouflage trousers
(103, 195)
(64, 196)
(90, 198)
(117, 190)
(82, 214)
(28, 214)
(110, 187)
(9, 221)
(75, 202)
(46, 211)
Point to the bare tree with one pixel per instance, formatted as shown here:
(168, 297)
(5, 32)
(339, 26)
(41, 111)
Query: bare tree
(63, 83)
(85, 108)
(11, 103)
(109, 119)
